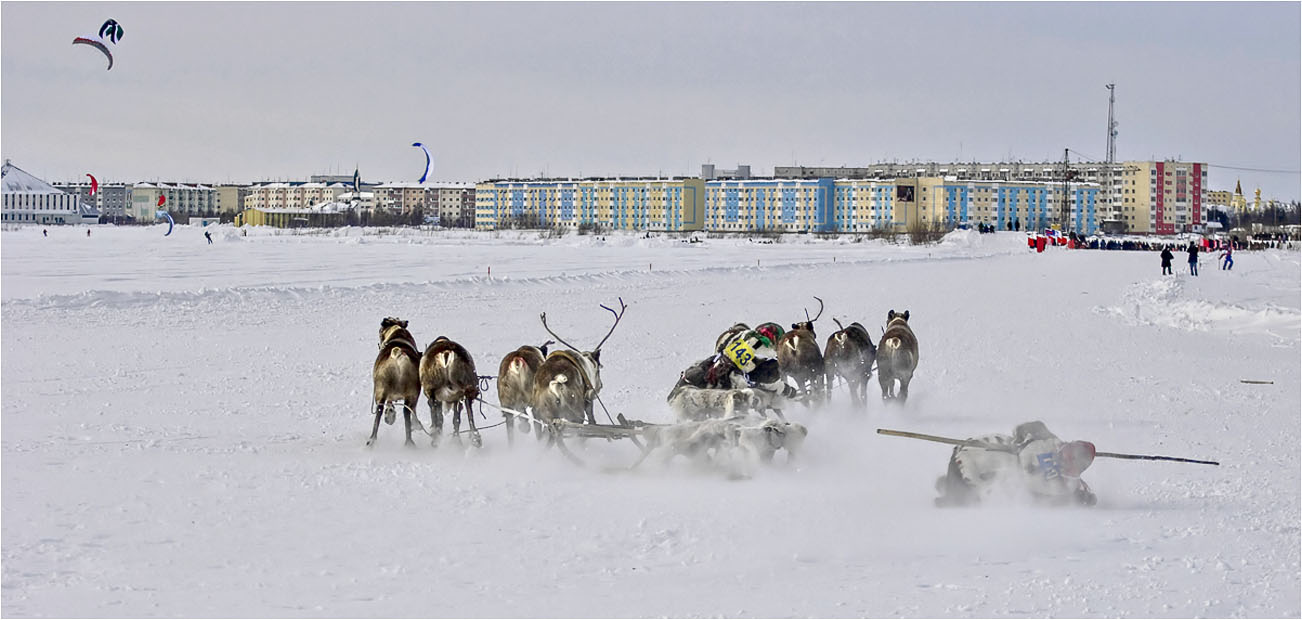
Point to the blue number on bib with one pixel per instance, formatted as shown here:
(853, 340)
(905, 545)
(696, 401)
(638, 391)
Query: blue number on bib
(740, 353)
(1048, 465)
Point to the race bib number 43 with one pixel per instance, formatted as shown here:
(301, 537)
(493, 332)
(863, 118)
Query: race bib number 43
(741, 354)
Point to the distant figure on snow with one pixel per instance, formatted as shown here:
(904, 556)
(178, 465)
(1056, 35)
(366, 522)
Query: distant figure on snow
(1193, 259)
(45, 232)
(1167, 257)
(87, 232)
(1032, 459)
(208, 234)
(1228, 256)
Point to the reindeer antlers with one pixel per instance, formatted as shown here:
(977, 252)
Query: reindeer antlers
(543, 316)
(838, 324)
(618, 315)
(820, 311)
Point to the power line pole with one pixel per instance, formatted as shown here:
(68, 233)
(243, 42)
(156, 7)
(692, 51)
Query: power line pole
(1112, 155)
(1064, 218)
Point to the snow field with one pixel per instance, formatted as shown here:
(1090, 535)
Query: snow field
(183, 430)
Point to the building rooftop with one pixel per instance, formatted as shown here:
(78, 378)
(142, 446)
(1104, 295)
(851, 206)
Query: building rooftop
(19, 181)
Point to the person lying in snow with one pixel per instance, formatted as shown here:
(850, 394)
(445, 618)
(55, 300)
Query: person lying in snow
(1032, 458)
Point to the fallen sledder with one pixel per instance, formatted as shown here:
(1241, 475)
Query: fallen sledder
(735, 444)
(1032, 459)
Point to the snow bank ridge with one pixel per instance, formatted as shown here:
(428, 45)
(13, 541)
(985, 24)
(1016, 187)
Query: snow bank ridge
(1166, 303)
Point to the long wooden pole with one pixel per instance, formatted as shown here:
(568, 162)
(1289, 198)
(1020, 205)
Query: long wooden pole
(935, 438)
(979, 444)
(1148, 457)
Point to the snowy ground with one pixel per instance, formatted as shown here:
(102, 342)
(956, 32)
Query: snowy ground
(183, 429)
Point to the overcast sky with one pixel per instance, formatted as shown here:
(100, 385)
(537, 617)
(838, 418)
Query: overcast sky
(249, 91)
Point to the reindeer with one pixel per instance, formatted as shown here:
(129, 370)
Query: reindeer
(569, 379)
(447, 374)
(800, 357)
(396, 375)
(515, 383)
(850, 354)
(897, 357)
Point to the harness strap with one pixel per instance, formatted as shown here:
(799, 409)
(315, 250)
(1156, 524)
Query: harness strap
(578, 362)
(391, 337)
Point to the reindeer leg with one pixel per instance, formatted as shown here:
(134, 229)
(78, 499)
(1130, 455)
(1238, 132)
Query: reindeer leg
(510, 428)
(375, 428)
(475, 439)
(456, 420)
(435, 420)
(407, 415)
(537, 426)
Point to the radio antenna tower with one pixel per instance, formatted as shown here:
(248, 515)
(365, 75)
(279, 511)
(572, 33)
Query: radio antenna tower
(1111, 163)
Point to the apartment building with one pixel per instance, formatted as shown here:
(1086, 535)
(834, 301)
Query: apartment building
(1011, 204)
(292, 194)
(452, 203)
(1163, 197)
(780, 205)
(230, 198)
(189, 199)
(668, 204)
(788, 205)
(111, 199)
(1111, 190)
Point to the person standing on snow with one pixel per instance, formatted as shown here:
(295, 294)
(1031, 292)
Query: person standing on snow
(1032, 458)
(1193, 259)
(1167, 257)
(208, 234)
(1228, 256)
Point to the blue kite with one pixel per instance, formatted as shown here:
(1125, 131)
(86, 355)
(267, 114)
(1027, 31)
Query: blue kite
(170, 223)
(427, 161)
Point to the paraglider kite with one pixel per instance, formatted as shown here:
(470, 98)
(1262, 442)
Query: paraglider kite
(110, 30)
(94, 185)
(427, 161)
(97, 44)
(169, 219)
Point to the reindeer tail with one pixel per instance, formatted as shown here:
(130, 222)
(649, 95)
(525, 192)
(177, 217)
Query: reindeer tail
(556, 382)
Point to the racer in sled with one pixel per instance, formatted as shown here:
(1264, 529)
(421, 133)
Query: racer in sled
(747, 360)
(1032, 458)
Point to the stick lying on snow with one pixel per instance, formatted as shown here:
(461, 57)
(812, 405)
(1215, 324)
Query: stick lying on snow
(979, 444)
(1256, 382)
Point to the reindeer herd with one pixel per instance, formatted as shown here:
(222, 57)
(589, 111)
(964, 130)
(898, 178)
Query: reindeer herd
(752, 371)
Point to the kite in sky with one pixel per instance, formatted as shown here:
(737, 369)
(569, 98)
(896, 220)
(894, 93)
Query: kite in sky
(94, 185)
(110, 30)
